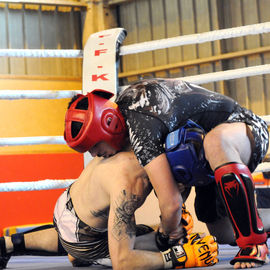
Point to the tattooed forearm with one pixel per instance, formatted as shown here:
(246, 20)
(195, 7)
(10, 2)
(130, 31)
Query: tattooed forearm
(124, 221)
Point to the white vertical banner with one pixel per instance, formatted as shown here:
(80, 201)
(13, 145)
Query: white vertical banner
(100, 61)
(100, 64)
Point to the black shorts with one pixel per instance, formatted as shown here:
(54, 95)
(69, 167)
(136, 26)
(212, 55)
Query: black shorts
(209, 205)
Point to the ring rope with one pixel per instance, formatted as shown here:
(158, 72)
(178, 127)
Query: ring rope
(252, 29)
(59, 184)
(229, 74)
(42, 53)
(14, 141)
(37, 94)
(35, 185)
(233, 32)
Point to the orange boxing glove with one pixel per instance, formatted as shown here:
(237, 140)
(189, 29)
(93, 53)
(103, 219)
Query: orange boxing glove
(187, 220)
(164, 241)
(197, 252)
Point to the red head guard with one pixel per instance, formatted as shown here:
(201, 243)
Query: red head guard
(102, 121)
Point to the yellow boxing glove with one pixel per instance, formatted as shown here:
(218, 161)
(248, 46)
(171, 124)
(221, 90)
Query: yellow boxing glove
(197, 252)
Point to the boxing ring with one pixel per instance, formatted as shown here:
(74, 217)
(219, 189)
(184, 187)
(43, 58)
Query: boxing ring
(36, 262)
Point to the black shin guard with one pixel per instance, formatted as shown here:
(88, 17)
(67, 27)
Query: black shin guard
(17, 240)
(4, 257)
(237, 190)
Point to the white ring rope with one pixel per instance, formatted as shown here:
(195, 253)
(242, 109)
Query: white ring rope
(35, 185)
(41, 53)
(252, 29)
(38, 94)
(266, 118)
(14, 141)
(59, 184)
(228, 74)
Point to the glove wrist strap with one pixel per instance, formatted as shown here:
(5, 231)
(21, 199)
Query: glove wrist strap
(167, 260)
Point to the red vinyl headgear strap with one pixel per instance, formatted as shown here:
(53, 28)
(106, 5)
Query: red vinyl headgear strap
(102, 121)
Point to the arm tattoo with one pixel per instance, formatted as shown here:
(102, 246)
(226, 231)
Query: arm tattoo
(124, 222)
(101, 213)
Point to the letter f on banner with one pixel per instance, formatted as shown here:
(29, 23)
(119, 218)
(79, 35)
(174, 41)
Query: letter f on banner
(100, 61)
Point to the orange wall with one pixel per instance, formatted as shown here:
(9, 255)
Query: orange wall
(27, 118)
(32, 207)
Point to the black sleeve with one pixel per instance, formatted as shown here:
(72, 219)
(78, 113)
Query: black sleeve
(147, 135)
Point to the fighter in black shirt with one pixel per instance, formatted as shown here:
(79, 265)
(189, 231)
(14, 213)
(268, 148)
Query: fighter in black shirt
(153, 108)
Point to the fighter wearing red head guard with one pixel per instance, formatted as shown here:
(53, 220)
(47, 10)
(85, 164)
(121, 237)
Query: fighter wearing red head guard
(103, 121)
(236, 140)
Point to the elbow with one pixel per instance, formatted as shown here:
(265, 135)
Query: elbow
(172, 206)
(175, 208)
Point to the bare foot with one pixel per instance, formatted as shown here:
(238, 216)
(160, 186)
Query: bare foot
(242, 265)
(256, 255)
